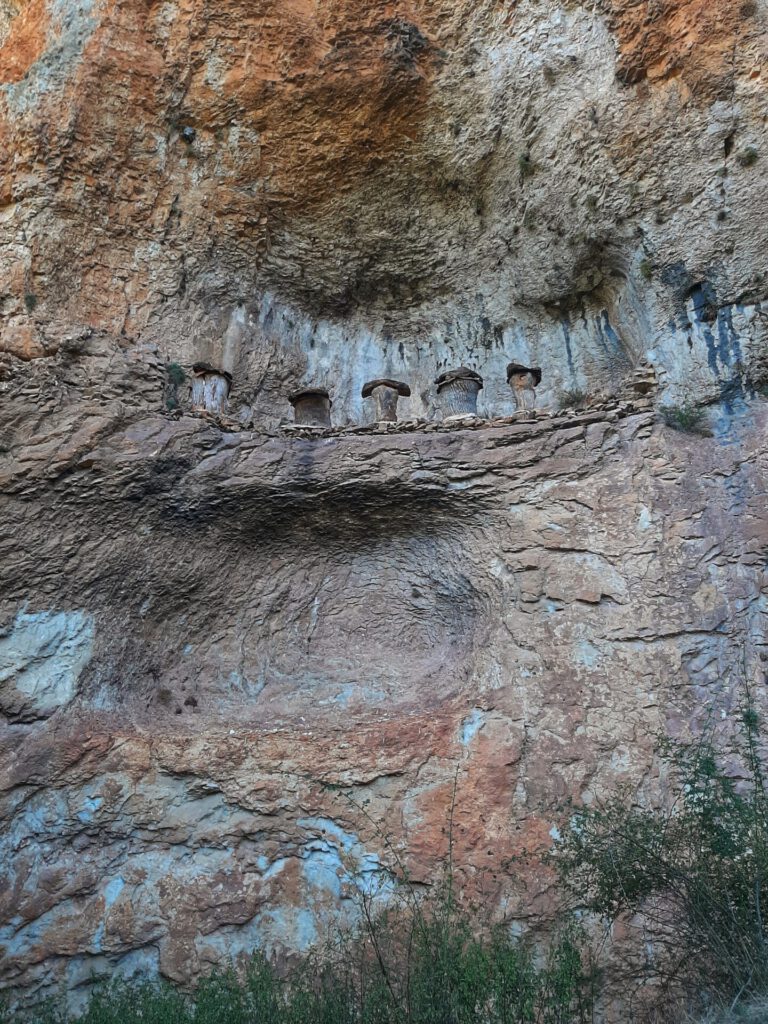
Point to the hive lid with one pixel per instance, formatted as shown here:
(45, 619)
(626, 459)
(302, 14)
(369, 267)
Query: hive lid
(514, 369)
(210, 368)
(296, 396)
(462, 373)
(384, 382)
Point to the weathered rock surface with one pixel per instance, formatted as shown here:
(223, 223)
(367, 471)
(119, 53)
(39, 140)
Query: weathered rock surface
(212, 631)
(367, 189)
(278, 622)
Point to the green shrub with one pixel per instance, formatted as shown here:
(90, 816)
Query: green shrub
(145, 1003)
(525, 165)
(694, 872)
(748, 157)
(175, 378)
(176, 375)
(571, 398)
(753, 1012)
(423, 961)
(689, 419)
(30, 301)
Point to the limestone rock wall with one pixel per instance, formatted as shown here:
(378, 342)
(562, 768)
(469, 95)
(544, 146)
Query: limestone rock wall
(347, 190)
(274, 656)
(232, 661)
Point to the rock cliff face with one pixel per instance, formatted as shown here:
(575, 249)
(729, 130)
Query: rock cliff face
(332, 189)
(232, 661)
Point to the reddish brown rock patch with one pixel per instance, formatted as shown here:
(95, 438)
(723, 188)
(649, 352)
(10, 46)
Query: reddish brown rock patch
(25, 41)
(692, 39)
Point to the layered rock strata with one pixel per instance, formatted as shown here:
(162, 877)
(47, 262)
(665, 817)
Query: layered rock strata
(364, 189)
(270, 657)
(235, 663)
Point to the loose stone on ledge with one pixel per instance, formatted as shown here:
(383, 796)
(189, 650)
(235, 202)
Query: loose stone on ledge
(385, 394)
(311, 407)
(644, 380)
(210, 388)
(457, 392)
(523, 380)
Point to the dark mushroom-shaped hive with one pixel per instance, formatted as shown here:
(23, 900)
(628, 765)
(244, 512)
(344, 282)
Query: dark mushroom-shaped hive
(524, 380)
(311, 407)
(518, 370)
(457, 392)
(384, 382)
(385, 393)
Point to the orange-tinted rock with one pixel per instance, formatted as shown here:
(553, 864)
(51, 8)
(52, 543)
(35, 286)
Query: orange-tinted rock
(239, 662)
(25, 41)
(364, 163)
(695, 40)
(21, 340)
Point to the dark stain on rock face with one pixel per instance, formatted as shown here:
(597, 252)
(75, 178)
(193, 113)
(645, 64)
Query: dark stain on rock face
(407, 43)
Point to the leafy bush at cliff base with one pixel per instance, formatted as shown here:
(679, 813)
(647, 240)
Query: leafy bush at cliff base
(753, 1012)
(690, 879)
(693, 876)
(420, 967)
